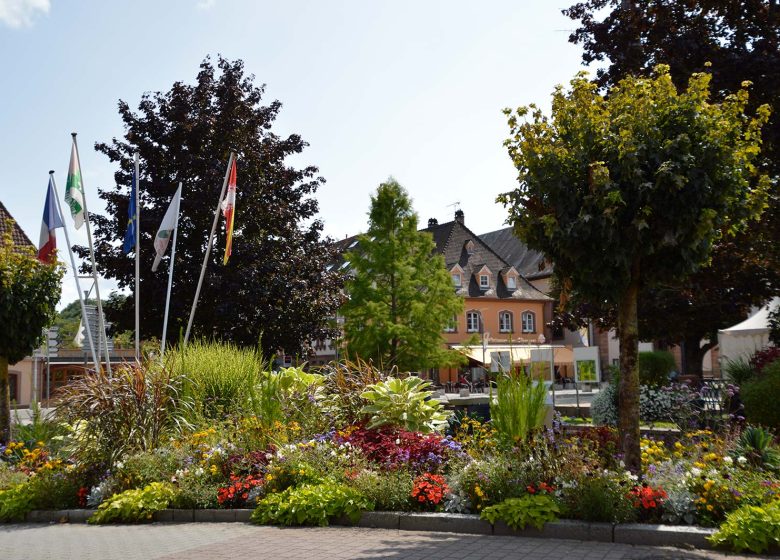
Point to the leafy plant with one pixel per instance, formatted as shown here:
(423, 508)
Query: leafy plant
(49, 489)
(598, 496)
(133, 506)
(756, 445)
(536, 509)
(136, 409)
(405, 403)
(311, 504)
(345, 381)
(755, 528)
(739, 371)
(519, 407)
(388, 491)
(655, 367)
(758, 408)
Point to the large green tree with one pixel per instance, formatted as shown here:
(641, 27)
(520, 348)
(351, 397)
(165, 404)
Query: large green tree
(275, 287)
(742, 42)
(629, 190)
(400, 294)
(29, 292)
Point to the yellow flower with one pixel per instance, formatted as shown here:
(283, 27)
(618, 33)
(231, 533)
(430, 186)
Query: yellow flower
(710, 508)
(269, 477)
(213, 469)
(301, 472)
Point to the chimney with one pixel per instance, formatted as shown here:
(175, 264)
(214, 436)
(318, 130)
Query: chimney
(459, 216)
(432, 222)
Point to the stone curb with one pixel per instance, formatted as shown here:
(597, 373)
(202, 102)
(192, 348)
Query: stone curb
(635, 534)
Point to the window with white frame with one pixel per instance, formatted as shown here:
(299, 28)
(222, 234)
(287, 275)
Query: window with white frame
(511, 282)
(456, 279)
(484, 281)
(505, 322)
(472, 321)
(452, 326)
(529, 322)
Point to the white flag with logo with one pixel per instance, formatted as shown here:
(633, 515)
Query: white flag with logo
(167, 226)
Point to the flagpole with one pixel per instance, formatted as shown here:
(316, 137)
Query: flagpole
(76, 276)
(208, 248)
(170, 274)
(137, 259)
(101, 323)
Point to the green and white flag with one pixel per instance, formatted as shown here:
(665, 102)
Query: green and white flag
(74, 189)
(166, 229)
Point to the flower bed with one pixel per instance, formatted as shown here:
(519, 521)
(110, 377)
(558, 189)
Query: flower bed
(304, 451)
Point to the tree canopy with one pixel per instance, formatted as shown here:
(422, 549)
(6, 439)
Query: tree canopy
(29, 292)
(631, 190)
(400, 294)
(274, 287)
(742, 42)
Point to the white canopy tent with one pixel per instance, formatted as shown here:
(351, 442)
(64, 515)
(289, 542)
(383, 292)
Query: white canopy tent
(752, 334)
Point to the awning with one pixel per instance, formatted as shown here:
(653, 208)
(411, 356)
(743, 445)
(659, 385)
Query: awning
(519, 353)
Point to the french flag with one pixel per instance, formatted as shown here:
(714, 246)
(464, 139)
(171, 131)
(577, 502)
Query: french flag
(47, 246)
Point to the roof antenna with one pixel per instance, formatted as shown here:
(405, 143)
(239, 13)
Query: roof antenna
(456, 204)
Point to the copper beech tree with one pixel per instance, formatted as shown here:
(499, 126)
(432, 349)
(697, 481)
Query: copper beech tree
(630, 190)
(275, 287)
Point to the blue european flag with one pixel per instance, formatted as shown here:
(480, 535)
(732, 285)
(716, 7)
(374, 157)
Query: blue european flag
(132, 219)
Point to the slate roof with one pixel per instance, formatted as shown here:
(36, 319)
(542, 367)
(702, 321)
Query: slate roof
(527, 262)
(451, 239)
(7, 223)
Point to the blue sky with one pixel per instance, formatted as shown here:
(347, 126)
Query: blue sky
(412, 89)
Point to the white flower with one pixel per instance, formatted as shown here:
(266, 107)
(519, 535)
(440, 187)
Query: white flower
(695, 471)
(398, 441)
(199, 471)
(728, 460)
(118, 465)
(741, 460)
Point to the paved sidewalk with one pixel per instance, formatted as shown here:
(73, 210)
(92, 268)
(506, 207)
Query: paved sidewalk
(237, 541)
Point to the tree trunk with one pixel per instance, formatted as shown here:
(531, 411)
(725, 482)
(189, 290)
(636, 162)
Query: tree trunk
(694, 355)
(628, 390)
(5, 403)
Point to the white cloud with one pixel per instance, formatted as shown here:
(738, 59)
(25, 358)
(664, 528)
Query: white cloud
(21, 13)
(204, 5)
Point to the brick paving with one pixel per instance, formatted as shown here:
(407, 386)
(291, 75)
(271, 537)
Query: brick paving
(237, 541)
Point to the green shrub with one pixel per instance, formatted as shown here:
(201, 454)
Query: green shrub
(535, 510)
(655, 367)
(133, 506)
(755, 444)
(750, 527)
(738, 371)
(519, 407)
(10, 477)
(758, 396)
(143, 468)
(45, 490)
(15, 502)
(405, 403)
(311, 504)
(598, 497)
(388, 491)
(196, 492)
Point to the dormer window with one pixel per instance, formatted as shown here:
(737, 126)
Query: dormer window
(456, 280)
(511, 282)
(484, 281)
